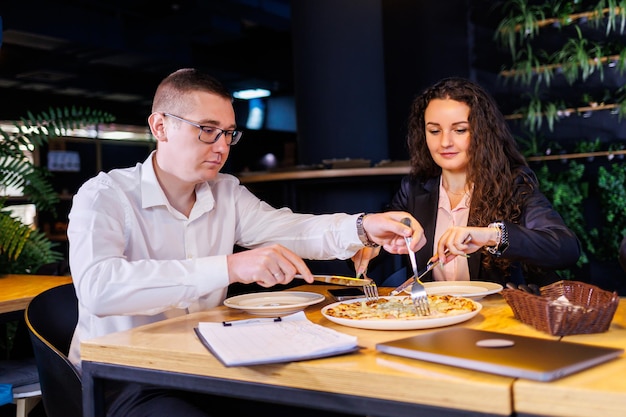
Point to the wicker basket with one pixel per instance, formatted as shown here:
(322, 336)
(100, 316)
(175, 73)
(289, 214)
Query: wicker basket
(590, 309)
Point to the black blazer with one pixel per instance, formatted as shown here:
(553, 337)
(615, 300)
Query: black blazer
(541, 239)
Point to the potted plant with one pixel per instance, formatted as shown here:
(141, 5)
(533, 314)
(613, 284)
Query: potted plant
(24, 248)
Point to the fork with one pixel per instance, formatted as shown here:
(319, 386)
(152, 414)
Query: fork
(370, 289)
(418, 292)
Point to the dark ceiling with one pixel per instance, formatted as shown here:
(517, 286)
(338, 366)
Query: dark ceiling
(111, 54)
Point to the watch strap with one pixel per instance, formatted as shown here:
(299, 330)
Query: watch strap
(502, 240)
(363, 234)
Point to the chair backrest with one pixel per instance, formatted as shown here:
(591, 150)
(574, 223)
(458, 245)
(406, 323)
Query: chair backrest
(51, 318)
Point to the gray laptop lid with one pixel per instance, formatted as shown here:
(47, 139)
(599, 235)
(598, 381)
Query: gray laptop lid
(499, 353)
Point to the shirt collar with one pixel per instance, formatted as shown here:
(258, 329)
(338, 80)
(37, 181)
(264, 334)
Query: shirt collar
(444, 199)
(152, 194)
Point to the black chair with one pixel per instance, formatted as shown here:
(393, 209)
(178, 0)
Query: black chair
(22, 375)
(51, 318)
(18, 367)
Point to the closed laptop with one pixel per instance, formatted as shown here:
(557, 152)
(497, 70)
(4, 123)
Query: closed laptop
(499, 353)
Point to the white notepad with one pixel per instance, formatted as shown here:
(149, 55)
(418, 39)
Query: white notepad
(272, 340)
(499, 353)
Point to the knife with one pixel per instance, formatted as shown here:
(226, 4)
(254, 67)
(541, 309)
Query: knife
(410, 281)
(429, 266)
(340, 280)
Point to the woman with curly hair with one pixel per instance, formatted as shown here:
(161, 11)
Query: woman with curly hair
(474, 195)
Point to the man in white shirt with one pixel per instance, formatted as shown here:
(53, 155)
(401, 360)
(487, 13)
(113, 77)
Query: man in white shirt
(156, 240)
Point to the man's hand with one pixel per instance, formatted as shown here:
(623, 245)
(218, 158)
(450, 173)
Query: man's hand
(267, 266)
(387, 230)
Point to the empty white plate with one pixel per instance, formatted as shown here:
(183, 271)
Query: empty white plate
(468, 289)
(274, 303)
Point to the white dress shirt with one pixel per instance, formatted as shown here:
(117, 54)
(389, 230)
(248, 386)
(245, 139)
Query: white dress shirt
(135, 260)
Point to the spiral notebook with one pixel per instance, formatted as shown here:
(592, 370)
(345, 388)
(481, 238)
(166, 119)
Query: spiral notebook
(502, 354)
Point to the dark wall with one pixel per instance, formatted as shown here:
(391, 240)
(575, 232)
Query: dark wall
(424, 41)
(339, 80)
(359, 64)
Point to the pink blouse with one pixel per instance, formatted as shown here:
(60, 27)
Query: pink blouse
(457, 269)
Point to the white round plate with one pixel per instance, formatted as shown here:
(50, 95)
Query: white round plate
(468, 289)
(274, 303)
(400, 324)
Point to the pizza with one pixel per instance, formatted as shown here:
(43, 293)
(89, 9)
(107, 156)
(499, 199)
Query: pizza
(401, 308)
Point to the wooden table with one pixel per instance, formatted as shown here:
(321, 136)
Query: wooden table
(598, 391)
(365, 383)
(16, 291)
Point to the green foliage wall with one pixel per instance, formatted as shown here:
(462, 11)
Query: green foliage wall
(567, 62)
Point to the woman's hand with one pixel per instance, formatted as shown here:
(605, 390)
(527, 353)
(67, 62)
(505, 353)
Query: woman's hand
(362, 259)
(460, 240)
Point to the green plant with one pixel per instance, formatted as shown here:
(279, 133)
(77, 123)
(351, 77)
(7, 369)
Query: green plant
(522, 21)
(554, 147)
(567, 191)
(532, 113)
(613, 196)
(621, 61)
(612, 9)
(563, 10)
(620, 100)
(587, 146)
(537, 110)
(579, 56)
(567, 184)
(23, 248)
(527, 65)
(616, 151)
(553, 110)
(531, 145)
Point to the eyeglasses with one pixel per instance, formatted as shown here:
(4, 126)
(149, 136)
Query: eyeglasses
(211, 134)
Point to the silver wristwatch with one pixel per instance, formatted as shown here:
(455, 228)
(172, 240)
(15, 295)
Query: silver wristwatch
(503, 243)
(363, 234)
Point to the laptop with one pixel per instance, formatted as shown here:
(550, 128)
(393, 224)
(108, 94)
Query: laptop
(500, 353)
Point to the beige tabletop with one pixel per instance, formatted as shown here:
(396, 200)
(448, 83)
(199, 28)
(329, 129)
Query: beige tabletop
(16, 291)
(598, 391)
(171, 345)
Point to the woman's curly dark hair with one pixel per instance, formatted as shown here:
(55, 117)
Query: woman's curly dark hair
(496, 169)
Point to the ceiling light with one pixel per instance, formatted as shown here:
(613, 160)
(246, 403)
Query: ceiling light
(251, 93)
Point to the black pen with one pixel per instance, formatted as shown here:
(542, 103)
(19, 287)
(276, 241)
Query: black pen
(251, 321)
